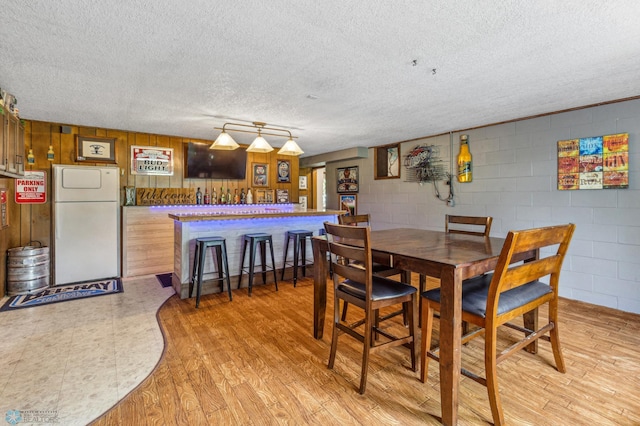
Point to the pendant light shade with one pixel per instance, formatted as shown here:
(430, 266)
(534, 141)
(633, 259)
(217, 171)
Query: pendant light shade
(224, 142)
(290, 148)
(259, 144)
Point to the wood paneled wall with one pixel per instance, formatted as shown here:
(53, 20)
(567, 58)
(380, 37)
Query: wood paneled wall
(33, 222)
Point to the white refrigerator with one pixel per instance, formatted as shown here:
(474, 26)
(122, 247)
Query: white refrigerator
(86, 223)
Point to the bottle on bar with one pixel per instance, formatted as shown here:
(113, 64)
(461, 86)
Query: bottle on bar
(236, 197)
(243, 197)
(214, 196)
(229, 199)
(464, 161)
(222, 196)
(198, 196)
(207, 199)
(249, 197)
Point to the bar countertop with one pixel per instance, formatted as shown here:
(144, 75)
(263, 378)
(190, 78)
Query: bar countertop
(249, 212)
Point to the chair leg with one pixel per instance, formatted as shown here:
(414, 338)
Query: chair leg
(530, 321)
(263, 256)
(376, 326)
(334, 333)
(252, 259)
(368, 335)
(296, 254)
(427, 329)
(273, 265)
(344, 311)
(201, 259)
(411, 314)
(284, 261)
(218, 259)
(194, 272)
(491, 372)
(244, 250)
(225, 263)
(554, 335)
(421, 289)
(303, 250)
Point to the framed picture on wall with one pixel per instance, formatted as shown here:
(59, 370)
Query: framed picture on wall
(265, 196)
(95, 149)
(302, 182)
(260, 174)
(282, 195)
(302, 200)
(348, 202)
(347, 179)
(284, 171)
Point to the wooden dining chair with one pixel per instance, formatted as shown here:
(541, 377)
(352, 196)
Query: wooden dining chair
(358, 286)
(494, 299)
(381, 262)
(469, 225)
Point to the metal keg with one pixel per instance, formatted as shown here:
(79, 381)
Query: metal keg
(27, 269)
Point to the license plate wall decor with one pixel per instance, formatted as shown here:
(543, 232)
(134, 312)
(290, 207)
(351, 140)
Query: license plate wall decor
(600, 162)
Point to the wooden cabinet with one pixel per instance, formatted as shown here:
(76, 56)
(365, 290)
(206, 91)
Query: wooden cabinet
(11, 145)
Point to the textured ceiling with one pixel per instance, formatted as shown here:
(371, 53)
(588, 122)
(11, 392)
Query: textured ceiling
(334, 72)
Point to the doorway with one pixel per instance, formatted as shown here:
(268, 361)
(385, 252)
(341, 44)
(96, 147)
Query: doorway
(319, 188)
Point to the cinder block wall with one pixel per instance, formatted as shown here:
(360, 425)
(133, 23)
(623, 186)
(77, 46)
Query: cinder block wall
(514, 180)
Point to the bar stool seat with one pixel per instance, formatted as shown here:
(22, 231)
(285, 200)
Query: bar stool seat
(253, 240)
(299, 237)
(220, 256)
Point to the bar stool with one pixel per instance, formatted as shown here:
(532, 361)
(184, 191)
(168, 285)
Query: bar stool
(253, 240)
(220, 248)
(299, 237)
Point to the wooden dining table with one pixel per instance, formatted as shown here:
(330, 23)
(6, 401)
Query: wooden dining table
(450, 257)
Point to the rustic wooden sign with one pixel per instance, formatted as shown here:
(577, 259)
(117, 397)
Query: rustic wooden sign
(165, 196)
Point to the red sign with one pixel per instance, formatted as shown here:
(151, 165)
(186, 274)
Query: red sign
(32, 188)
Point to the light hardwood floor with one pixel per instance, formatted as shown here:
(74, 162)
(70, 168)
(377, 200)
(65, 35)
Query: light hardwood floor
(254, 361)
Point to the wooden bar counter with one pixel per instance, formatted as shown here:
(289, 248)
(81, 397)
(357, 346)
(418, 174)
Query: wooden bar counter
(232, 222)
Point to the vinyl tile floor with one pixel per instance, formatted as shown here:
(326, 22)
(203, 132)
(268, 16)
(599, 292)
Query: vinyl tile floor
(70, 362)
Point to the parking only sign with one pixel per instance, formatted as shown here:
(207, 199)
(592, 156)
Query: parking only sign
(32, 188)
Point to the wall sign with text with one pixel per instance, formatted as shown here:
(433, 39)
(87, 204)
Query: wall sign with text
(600, 162)
(32, 188)
(4, 212)
(151, 160)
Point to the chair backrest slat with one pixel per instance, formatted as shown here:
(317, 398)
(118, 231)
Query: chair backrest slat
(473, 225)
(527, 272)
